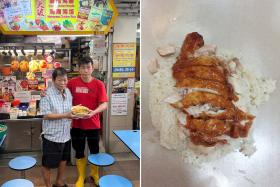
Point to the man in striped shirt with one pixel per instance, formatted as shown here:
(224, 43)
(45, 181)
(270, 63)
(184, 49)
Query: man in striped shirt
(56, 108)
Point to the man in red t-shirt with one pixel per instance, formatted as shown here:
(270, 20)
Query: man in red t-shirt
(90, 92)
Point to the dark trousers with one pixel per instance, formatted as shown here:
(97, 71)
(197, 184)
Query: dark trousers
(79, 136)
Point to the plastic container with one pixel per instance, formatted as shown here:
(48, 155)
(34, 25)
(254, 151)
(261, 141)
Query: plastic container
(14, 113)
(3, 130)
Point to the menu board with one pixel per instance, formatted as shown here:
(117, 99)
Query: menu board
(57, 16)
(124, 59)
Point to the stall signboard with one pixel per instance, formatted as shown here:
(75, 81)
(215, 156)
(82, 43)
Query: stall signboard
(119, 104)
(124, 58)
(35, 17)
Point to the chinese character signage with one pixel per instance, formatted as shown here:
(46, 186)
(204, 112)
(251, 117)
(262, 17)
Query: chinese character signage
(57, 16)
(124, 57)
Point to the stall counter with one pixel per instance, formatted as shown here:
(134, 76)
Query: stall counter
(23, 135)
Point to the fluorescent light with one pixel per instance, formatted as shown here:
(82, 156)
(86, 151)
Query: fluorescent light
(39, 51)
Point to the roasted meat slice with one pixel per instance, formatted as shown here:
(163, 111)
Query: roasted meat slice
(198, 61)
(201, 72)
(230, 111)
(199, 98)
(206, 132)
(211, 127)
(192, 42)
(199, 138)
(241, 115)
(238, 130)
(222, 89)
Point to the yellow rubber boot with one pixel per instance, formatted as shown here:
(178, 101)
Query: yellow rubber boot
(94, 173)
(81, 166)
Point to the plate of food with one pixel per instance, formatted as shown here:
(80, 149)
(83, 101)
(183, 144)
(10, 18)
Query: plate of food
(209, 81)
(80, 111)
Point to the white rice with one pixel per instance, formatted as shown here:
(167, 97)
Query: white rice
(252, 92)
(206, 108)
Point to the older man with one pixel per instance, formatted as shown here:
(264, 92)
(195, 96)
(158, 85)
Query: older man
(56, 108)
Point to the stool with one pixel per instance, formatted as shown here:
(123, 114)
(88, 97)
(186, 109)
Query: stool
(18, 183)
(22, 163)
(114, 180)
(101, 160)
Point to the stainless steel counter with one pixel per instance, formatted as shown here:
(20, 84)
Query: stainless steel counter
(248, 29)
(19, 120)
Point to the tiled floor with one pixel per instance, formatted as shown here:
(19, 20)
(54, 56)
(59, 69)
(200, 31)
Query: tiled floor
(127, 168)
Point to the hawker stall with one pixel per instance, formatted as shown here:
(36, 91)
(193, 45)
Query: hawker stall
(26, 69)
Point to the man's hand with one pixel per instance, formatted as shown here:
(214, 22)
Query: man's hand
(100, 108)
(89, 115)
(69, 115)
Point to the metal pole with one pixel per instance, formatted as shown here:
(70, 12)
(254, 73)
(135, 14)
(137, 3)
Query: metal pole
(109, 90)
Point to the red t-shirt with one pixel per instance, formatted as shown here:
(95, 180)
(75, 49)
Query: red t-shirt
(91, 95)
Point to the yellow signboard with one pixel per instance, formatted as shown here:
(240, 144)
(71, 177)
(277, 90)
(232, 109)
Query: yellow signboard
(31, 17)
(124, 57)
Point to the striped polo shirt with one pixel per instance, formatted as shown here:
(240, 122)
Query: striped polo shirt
(56, 130)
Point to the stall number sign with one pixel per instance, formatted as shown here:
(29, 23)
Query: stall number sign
(124, 59)
(119, 104)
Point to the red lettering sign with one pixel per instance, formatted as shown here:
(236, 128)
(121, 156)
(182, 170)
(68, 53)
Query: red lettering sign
(52, 11)
(65, 11)
(58, 11)
(71, 11)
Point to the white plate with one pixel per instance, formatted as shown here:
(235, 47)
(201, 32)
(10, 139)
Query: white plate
(248, 29)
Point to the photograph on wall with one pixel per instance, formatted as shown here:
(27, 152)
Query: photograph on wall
(8, 87)
(8, 93)
(120, 85)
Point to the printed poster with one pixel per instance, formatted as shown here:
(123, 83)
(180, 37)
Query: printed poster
(124, 60)
(119, 104)
(130, 85)
(26, 7)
